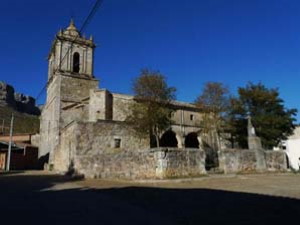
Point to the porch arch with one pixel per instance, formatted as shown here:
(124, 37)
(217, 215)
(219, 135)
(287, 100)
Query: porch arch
(169, 139)
(191, 140)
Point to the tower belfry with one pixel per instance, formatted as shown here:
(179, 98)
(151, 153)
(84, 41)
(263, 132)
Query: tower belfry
(71, 53)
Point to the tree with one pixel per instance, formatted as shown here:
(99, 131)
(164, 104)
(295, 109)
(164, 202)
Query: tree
(272, 121)
(151, 113)
(214, 101)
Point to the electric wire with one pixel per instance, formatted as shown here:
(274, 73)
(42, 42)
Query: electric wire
(88, 19)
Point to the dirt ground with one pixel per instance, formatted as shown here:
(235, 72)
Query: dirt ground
(280, 184)
(47, 198)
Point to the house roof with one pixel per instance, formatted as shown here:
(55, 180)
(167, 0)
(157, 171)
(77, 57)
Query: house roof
(14, 145)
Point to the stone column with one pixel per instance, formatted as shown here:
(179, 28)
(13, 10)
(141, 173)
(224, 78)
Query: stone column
(254, 143)
(180, 141)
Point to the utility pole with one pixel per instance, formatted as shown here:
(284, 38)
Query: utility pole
(10, 142)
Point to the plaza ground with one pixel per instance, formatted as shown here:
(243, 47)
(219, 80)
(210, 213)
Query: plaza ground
(46, 198)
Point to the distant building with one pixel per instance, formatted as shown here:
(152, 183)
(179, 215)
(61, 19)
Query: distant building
(24, 156)
(292, 147)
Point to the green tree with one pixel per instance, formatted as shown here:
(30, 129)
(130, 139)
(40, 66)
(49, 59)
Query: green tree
(214, 101)
(151, 112)
(272, 121)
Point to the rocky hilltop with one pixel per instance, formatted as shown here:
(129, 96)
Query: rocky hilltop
(19, 102)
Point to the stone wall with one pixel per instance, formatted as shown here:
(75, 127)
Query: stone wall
(63, 91)
(187, 116)
(172, 162)
(130, 165)
(50, 119)
(244, 161)
(89, 149)
(95, 138)
(276, 160)
(121, 106)
(149, 164)
(76, 113)
(99, 137)
(74, 88)
(100, 105)
(63, 154)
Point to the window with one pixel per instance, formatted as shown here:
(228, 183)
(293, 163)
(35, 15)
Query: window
(191, 117)
(117, 143)
(76, 62)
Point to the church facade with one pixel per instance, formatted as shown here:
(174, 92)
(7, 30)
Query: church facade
(83, 128)
(81, 119)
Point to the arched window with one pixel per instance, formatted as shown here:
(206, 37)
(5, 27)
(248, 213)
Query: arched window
(76, 62)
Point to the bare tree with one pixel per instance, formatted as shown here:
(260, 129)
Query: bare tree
(214, 101)
(151, 113)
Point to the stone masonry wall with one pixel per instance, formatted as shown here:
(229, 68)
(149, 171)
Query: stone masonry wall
(100, 105)
(130, 165)
(94, 138)
(75, 88)
(148, 164)
(276, 160)
(89, 149)
(99, 137)
(173, 162)
(241, 160)
(64, 152)
(121, 106)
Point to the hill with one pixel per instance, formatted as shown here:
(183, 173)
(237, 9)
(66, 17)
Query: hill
(23, 123)
(18, 101)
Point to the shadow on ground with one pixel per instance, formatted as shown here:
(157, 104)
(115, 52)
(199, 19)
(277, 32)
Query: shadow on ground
(27, 199)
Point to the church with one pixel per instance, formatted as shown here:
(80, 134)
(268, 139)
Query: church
(81, 120)
(83, 128)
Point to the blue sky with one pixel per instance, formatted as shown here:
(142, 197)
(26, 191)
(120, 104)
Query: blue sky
(191, 42)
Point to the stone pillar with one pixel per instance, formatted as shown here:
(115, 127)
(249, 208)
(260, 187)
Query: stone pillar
(254, 143)
(200, 142)
(180, 141)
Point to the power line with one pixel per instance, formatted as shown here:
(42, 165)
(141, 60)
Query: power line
(88, 19)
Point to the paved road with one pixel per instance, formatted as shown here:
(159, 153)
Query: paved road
(42, 198)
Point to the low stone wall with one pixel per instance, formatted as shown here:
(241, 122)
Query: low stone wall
(174, 162)
(151, 164)
(130, 165)
(241, 160)
(276, 160)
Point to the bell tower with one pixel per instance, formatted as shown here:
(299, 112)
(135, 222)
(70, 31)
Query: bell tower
(71, 53)
(70, 79)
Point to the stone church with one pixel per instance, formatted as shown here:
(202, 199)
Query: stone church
(83, 126)
(79, 114)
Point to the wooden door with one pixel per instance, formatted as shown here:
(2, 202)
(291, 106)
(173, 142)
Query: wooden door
(2, 160)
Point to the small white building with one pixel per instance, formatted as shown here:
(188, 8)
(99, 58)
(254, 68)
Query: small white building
(292, 146)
